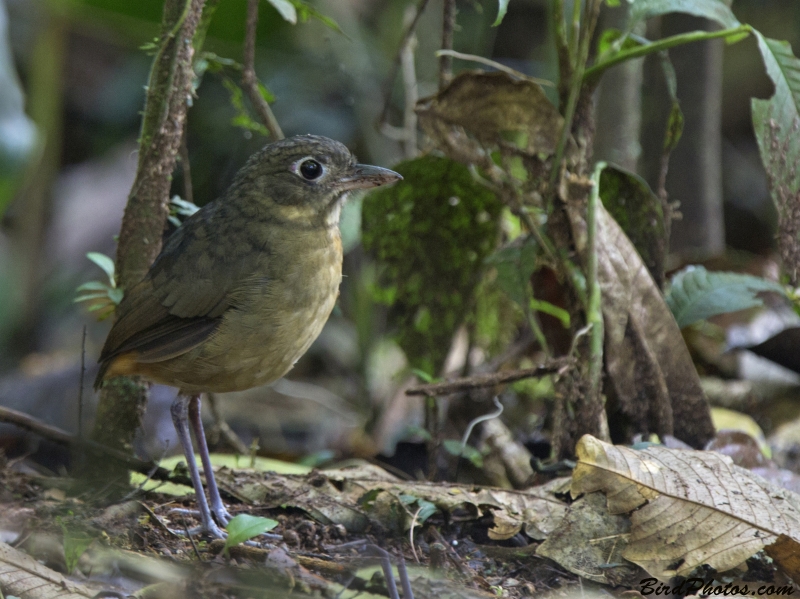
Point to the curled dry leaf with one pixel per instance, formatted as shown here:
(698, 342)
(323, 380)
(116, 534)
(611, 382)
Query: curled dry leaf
(496, 109)
(653, 383)
(687, 508)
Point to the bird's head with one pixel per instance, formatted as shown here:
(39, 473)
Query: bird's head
(305, 179)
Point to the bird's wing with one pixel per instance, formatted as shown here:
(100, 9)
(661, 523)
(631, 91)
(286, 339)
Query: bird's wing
(180, 302)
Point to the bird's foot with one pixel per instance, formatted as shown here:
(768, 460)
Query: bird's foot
(208, 527)
(213, 527)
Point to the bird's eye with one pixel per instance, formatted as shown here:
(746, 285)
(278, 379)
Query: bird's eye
(311, 169)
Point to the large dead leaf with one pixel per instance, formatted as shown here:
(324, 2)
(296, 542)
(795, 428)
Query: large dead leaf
(23, 576)
(496, 109)
(654, 386)
(687, 508)
(590, 542)
(358, 496)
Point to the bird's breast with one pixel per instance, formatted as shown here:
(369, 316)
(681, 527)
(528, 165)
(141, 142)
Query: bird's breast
(277, 313)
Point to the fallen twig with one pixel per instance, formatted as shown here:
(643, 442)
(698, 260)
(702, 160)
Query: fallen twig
(482, 381)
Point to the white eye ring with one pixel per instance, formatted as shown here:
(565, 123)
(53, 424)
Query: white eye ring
(308, 168)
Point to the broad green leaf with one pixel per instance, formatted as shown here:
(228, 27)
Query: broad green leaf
(502, 8)
(104, 262)
(776, 122)
(696, 294)
(286, 10)
(244, 527)
(715, 10)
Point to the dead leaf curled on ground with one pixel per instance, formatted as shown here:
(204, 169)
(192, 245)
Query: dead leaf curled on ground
(360, 495)
(687, 507)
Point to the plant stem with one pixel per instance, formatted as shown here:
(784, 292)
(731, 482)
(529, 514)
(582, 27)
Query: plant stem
(594, 312)
(664, 44)
(589, 22)
(249, 79)
(448, 25)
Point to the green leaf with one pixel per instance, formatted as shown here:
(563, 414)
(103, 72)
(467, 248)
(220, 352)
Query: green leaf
(715, 10)
(612, 3)
(454, 447)
(426, 508)
(502, 7)
(242, 118)
(674, 128)
(104, 262)
(244, 527)
(696, 294)
(515, 264)
(306, 12)
(776, 122)
(286, 10)
(629, 199)
(75, 544)
(552, 310)
(94, 286)
(115, 295)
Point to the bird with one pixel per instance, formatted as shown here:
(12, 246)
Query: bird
(241, 289)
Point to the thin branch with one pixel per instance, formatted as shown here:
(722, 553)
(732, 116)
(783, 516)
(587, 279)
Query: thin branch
(396, 64)
(53, 433)
(495, 65)
(411, 93)
(249, 79)
(80, 388)
(226, 431)
(188, 192)
(481, 381)
(448, 25)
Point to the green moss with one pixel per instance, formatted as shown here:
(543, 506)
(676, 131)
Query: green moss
(430, 234)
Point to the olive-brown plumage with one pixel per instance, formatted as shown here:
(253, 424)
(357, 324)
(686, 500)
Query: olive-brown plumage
(244, 286)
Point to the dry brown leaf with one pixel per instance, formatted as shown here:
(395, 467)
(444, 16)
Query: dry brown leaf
(23, 576)
(590, 542)
(688, 508)
(654, 384)
(496, 109)
(786, 553)
(357, 495)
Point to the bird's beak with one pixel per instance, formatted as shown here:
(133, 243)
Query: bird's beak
(364, 176)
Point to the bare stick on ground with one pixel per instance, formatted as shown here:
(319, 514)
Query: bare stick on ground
(481, 381)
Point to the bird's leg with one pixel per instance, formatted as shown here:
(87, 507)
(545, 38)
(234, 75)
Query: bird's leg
(180, 413)
(217, 507)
